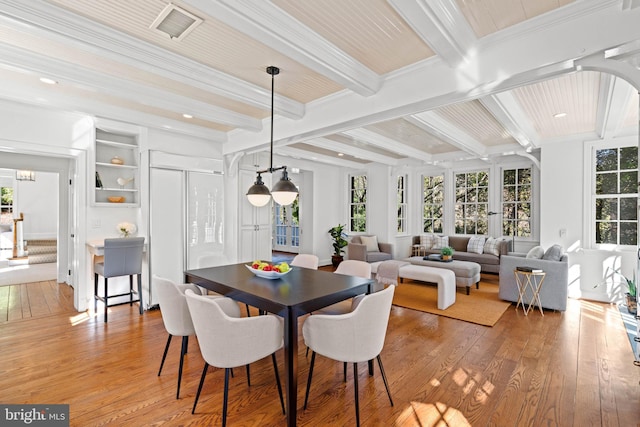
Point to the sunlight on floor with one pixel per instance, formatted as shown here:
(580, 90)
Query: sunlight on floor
(434, 414)
(80, 318)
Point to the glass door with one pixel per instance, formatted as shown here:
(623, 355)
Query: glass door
(286, 232)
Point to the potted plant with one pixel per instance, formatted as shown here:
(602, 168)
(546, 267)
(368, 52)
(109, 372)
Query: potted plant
(339, 242)
(631, 295)
(446, 253)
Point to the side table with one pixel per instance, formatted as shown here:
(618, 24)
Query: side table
(529, 281)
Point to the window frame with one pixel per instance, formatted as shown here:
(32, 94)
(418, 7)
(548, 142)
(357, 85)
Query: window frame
(402, 210)
(592, 196)
(351, 204)
(517, 202)
(480, 208)
(434, 206)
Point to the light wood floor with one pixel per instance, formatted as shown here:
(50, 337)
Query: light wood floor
(563, 369)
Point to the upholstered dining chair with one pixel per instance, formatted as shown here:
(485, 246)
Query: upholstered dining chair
(305, 261)
(228, 340)
(354, 337)
(175, 316)
(122, 257)
(347, 267)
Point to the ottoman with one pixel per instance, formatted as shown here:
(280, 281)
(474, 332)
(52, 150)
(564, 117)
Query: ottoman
(467, 273)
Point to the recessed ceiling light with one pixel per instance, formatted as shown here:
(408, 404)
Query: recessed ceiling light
(559, 115)
(340, 154)
(48, 81)
(187, 116)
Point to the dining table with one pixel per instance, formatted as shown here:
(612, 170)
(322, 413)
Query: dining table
(299, 292)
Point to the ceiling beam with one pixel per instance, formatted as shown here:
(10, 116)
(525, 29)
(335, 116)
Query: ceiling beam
(441, 25)
(360, 153)
(613, 101)
(446, 131)
(507, 111)
(377, 140)
(316, 157)
(264, 21)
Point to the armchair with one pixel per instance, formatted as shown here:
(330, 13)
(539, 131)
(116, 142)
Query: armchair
(554, 291)
(368, 249)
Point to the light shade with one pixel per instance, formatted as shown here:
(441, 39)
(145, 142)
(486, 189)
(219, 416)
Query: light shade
(258, 194)
(284, 192)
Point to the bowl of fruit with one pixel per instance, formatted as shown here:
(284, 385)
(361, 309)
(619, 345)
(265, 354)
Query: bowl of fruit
(269, 271)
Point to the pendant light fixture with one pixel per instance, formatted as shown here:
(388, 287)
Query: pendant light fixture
(284, 192)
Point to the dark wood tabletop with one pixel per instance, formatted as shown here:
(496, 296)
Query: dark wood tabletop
(299, 292)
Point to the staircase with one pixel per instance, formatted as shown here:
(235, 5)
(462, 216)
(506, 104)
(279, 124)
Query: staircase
(41, 251)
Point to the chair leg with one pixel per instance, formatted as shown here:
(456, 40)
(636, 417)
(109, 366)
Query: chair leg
(140, 293)
(204, 374)
(275, 368)
(344, 372)
(183, 351)
(130, 290)
(248, 376)
(370, 363)
(106, 303)
(164, 355)
(384, 378)
(355, 388)
(248, 313)
(306, 395)
(95, 293)
(226, 396)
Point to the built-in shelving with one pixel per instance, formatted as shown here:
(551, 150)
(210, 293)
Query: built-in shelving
(116, 158)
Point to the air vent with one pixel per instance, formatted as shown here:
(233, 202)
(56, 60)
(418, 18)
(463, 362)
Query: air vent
(175, 22)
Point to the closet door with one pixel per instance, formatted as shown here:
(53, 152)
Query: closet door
(166, 236)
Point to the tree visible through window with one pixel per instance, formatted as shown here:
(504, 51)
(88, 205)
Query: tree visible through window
(516, 202)
(358, 203)
(402, 204)
(472, 202)
(432, 203)
(616, 177)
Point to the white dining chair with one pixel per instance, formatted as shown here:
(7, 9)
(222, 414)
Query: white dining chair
(305, 261)
(122, 257)
(354, 337)
(348, 267)
(175, 316)
(228, 340)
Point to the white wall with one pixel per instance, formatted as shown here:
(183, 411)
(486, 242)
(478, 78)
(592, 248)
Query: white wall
(38, 201)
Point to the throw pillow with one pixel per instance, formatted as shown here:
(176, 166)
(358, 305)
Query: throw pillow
(492, 246)
(426, 241)
(440, 242)
(536, 252)
(554, 253)
(371, 242)
(476, 244)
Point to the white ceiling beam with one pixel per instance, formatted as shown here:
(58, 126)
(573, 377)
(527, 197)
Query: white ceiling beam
(360, 153)
(42, 19)
(388, 144)
(613, 101)
(441, 25)
(446, 131)
(507, 111)
(297, 153)
(264, 21)
(67, 73)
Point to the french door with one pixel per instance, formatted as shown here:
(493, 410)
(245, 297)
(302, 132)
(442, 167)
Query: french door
(286, 230)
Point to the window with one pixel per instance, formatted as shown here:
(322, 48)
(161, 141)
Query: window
(615, 201)
(472, 202)
(358, 203)
(432, 203)
(516, 202)
(402, 204)
(6, 205)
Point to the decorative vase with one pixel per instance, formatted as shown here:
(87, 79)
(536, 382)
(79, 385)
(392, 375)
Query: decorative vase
(117, 161)
(336, 260)
(632, 304)
(446, 257)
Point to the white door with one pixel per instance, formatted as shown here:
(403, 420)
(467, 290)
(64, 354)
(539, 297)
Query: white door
(255, 224)
(286, 229)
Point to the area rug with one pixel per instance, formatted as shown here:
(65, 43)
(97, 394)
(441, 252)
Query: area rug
(481, 306)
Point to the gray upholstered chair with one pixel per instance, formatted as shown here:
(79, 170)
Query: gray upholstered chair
(228, 341)
(122, 257)
(175, 316)
(368, 249)
(354, 337)
(554, 291)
